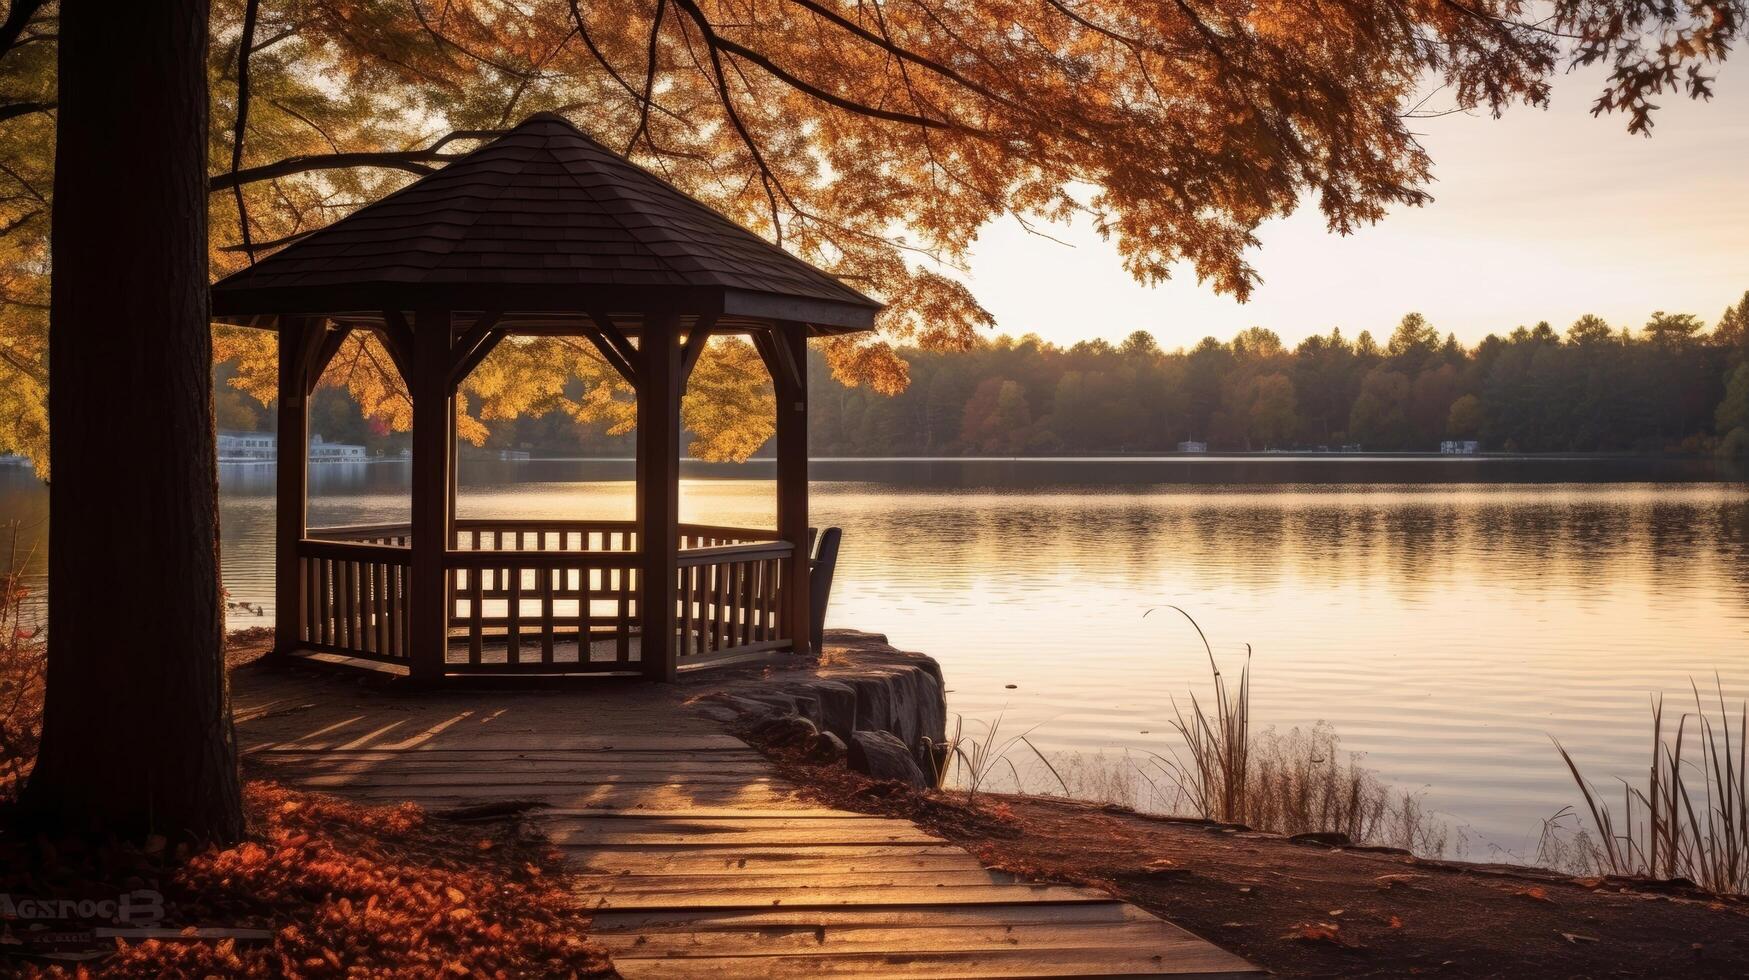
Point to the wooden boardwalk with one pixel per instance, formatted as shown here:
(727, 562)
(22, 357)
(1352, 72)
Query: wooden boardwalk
(693, 858)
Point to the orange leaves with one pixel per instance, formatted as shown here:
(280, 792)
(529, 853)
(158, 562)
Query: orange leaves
(343, 888)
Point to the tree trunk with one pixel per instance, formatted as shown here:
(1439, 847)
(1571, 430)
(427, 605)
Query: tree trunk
(137, 735)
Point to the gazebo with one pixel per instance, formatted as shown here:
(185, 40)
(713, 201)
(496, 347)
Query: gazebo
(541, 231)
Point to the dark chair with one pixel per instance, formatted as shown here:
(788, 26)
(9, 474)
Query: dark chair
(823, 563)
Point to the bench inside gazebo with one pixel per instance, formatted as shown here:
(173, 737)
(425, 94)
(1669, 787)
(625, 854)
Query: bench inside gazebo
(541, 231)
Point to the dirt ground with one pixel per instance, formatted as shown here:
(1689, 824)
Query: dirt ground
(1307, 910)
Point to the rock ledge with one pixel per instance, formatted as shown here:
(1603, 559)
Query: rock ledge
(859, 683)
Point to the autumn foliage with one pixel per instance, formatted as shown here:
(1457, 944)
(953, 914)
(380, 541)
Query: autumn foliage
(874, 139)
(342, 889)
(21, 670)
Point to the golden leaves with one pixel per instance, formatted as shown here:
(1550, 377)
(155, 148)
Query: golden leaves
(348, 889)
(872, 139)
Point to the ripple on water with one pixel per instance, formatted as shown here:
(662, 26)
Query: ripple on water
(1446, 632)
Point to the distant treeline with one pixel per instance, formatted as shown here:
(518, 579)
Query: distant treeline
(1670, 385)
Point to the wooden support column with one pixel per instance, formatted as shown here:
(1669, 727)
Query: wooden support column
(657, 366)
(790, 382)
(449, 492)
(292, 477)
(433, 421)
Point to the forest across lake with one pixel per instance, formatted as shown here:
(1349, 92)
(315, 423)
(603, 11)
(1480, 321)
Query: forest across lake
(1671, 385)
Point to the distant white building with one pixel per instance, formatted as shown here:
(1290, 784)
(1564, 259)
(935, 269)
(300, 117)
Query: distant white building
(234, 446)
(1192, 446)
(242, 447)
(334, 452)
(1460, 447)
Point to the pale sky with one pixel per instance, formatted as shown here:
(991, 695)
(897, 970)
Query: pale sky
(1539, 215)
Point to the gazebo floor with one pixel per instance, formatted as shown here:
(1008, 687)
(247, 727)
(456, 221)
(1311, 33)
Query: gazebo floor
(604, 657)
(603, 653)
(692, 857)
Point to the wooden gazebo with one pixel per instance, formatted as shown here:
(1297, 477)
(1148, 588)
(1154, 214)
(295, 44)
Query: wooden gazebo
(541, 231)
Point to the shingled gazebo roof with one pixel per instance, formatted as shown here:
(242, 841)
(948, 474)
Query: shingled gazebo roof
(541, 220)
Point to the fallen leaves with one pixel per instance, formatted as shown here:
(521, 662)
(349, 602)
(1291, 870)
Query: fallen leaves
(341, 888)
(1535, 893)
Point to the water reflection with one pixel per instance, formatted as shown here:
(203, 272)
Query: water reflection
(1446, 616)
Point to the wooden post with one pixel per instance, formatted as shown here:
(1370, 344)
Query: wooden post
(292, 477)
(790, 382)
(658, 370)
(433, 418)
(454, 466)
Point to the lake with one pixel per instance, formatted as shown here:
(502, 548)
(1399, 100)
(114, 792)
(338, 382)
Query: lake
(1447, 617)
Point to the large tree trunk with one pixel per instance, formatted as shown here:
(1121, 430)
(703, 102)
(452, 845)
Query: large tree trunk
(137, 733)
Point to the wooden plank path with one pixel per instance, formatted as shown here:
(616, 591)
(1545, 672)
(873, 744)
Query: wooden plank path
(696, 861)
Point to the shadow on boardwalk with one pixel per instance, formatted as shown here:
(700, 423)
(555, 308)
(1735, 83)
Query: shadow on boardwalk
(692, 856)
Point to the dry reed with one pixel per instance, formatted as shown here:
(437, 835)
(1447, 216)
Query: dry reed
(1691, 819)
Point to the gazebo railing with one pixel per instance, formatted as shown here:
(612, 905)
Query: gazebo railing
(353, 598)
(393, 534)
(729, 599)
(543, 596)
(475, 534)
(555, 610)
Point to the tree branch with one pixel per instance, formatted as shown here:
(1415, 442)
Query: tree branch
(15, 224)
(719, 43)
(245, 45)
(412, 161)
(18, 16)
(273, 244)
(445, 40)
(767, 179)
(24, 366)
(24, 109)
(903, 53)
(645, 100)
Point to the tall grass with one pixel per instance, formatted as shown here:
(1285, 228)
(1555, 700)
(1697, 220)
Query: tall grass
(966, 762)
(1297, 783)
(1214, 770)
(1691, 819)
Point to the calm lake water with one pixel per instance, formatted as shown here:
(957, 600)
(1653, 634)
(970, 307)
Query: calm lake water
(1447, 617)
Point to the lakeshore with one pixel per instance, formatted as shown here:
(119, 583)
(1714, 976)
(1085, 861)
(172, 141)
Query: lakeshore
(1295, 908)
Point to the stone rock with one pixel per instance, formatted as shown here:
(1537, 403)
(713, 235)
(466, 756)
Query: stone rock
(779, 702)
(882, 756)
(834, 704)
(783, 730)
(858, 684)
(740, 705)
(718, 712)
(828, 748)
